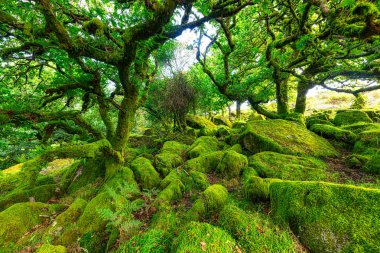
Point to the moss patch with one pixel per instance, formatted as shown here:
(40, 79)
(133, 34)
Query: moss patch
(335, 133)
(145, 173)
(203, 237)
(329, 217)
(351, 117)
(203, 145)
(275, 165)
(205, 163)
(21, 218)
(170, 157)
(48, 248)
(231, 164)
(206, 126)
(284, 137)
(255, 232)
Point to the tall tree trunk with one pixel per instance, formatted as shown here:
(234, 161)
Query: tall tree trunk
(229, 112)
(302, 90)
(281, 82)
(238, 109)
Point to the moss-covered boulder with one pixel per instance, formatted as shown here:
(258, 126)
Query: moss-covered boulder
(198, 180)
(335, 133)
(205, 163)
(275, 165)
(145, 173)
(222, 131)
(215, 197)
(231, 164)
(48, 248)
(65, 220)
(203, 145)
(360, 127)
(285, 137)
(313, 121)
(255, 232)
(368, 146)
(172, 186)
(257, 188)
(350, 117)
(20, 218)
(203, 237)
(206, 126)
(329, 217)
(170, 157)
(222, 120)
(296, 117)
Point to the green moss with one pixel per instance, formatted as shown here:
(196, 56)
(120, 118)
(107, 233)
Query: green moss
(40, 193)
(357, 128)
(350, 117)
(356, 161)
(237, 148)
(334, 133)
(296, 117)
(231, 164)
(167, 161)
(249, 172)
(165, 218)
(215, 197)
(222, 131)
(257, 188)
(255, 232)
(373, 164)
(205, 163)
(274, 165)
(145, 173)
(221, 120)
(172, 192)
(203, 145)
(123, 177)
(65, 220)
(21, 218)
(198, 180)
(238, 124)
(203, 237)
(313, 121)
(206, 126)
(48, 248)
(329, 217)
(285, 137)
(154, 241)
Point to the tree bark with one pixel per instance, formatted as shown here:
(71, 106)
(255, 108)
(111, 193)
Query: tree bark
(281, 92)
(238, 109)
(302, 90)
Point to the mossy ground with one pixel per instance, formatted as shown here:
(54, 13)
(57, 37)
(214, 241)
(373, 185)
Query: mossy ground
(204, 195)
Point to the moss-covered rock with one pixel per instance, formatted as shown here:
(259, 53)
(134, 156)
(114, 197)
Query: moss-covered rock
(203, 237)
(48, 248)
(257, 188)
(285, 137)
(203, 145)
(296, 117)
(145, 173)
(172, 192)
(350, 117)
(357, 128)
(205, 163)
(206, 126)
(329, 217)
(65, 220)
(21, 218)
(170, 157)
(275, 165)
(222, 120)
(238, 124)
(222, 131)
(40, 194)
(237, 148)
(313, 121)
(215, 197)
(198, 180)
(231, 164)
(335, 133)
(255, 232)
